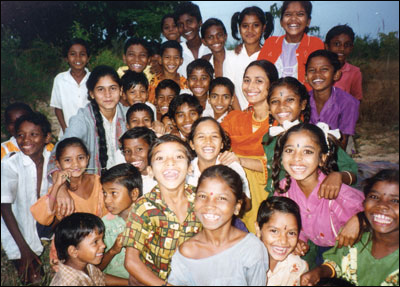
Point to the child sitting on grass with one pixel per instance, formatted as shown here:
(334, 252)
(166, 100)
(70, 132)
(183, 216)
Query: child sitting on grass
(122, 186)
(79, 244)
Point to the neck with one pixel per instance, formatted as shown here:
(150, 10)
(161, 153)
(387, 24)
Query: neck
(261, 110)
(170, 76)
(124, 214)
(195, 43)
(203, 100)
(219, 56)
(272, 263)
(323, 95)
(308, 184)
(108, 113)
(220, 236)
(78, 73)
(78, 265)
(38, 158)
(75, 183)
(203, 164)
(387, 243)
(252, 48)
(173, 195)
(294, 38)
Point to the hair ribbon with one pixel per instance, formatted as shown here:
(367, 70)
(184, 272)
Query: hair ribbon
(274, 131)
(325, 128)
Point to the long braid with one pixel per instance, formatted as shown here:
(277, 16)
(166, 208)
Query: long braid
(102, 135)
(276, 166)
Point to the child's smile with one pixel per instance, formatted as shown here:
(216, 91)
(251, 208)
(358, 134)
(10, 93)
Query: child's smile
(285, 105)
(321, 74)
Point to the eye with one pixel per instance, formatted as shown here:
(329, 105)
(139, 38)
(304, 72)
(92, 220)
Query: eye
(274, 102)
(273, 230)
(307, 151)
(159, 158)
(114, 193)
(81, 157)
(201, 196)
(292, 233)
(372, 196)
(180, 156)
(396, 201)
(288, 150)
(222, 198)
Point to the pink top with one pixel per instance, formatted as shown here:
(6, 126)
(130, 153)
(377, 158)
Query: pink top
(351, 81)
(317, 214)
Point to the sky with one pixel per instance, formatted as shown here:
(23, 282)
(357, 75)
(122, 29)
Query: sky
(367, 18)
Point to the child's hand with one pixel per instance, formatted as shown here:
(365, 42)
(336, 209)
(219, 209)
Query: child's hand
(65, 203)
(227, 158)
(330, 187)
(60, 177)
(310, 278)
(301, 248)
(117, 247)
(29, 269)
(349, 233)
(158, 127)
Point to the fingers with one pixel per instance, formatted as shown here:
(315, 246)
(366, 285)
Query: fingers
(328, 191)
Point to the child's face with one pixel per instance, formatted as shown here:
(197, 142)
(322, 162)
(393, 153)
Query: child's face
(207, 141)
(90, 249)
(188, 27)
(284, 104)
(251, 29)
(220, 100)
(136, 94)
(77, 57)
(170, 30)
(185, 116)
(295, 20)
(31, 139)
(279, 235)
(117, 198)
(168, 124)
(381, 207)
(171, 60)
(136, 58)
(106, 93)
(199, 82)
(163, 99)
(342, 45)
(215, 203)
(215, 38)
(13, 116)
(169, 164)
(73, 159)
(320, 74)
(255, 85)
(301, 156)
(135, 152)
(139, 119)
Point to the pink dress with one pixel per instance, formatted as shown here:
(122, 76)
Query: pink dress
(322, 218)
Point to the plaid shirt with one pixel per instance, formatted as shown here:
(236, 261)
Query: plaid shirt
(154, 230)
(68, 276)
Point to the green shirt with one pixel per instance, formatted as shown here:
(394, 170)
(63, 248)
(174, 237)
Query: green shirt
(357, 265)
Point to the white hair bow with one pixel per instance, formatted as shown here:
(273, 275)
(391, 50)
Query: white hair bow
(325, 128)
(274, 131)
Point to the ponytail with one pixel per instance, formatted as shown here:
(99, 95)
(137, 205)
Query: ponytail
(103, 157)
(234, 25)
(269, 25)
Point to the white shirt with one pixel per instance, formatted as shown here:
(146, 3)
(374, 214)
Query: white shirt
(208, 110)
(68, 95)
(193, 178)
(234, 67)
(13, 141)
(112, 147)
(188, 57)
(18, 187)
(148, 183)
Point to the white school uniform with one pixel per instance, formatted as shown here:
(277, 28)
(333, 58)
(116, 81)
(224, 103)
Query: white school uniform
(188, 57)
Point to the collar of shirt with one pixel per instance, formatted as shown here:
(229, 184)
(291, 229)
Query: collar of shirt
(68, 77)
(156, 196)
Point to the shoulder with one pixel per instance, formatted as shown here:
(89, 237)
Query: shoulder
(62, 76)
(346, 98)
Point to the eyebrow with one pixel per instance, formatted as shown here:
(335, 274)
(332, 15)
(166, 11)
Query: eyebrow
(307, 146)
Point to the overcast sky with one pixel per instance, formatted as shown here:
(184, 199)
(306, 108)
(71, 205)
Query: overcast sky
(365, 17)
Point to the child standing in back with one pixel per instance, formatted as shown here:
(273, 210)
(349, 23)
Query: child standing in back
(166, 90)
(136, 56)
(374, 260)
(69, 92)
(23, 181)
(308, 155)
(220, 254)
(278, 226)
(122, 186)
(163, 219)
(330, 104)
(340, 40)
(221, 98)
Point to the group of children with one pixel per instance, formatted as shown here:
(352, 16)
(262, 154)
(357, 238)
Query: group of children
(230, 172)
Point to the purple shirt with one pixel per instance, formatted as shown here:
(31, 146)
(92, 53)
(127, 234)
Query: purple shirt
(317, 214)
(339, 112)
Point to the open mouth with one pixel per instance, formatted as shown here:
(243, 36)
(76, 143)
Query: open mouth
(382, 219)
(171, 174)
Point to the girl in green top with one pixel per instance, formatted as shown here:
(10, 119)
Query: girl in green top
(374, 260)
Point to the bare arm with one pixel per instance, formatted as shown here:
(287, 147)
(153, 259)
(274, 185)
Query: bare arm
(115, 281)
(139, 270)
(312, 277)
(109, 255)
(60, 118)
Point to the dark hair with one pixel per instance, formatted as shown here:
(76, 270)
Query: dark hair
(269, 69)
(73, 229)
(137, 41)
(131, 79)
(126, 175)
(144, 133)
(67, 142)
(75, 41)
(168, 83)
(223, 81)
(165, 17)
(94, 77)
(138, 107)
(307, 6)
(209, 23)
(200, 64)
(189, 8)
(36, 118)
(338, 30)
(226, 141)
(265, 18)
(329, 148)
(278, 203)
(181, 99)
(331, 56)
(167, 139)
(334, 282)
(154, 48)
(171, 44)
(16, 107)
(164, 116)
(298, 89)
(230, 177)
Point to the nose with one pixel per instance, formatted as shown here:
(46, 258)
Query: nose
(298, 155)
(283, 239)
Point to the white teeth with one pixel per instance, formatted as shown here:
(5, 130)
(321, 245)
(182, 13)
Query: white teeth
(380, 218)
(164, 109)
(137, 66)
(170, 173)
(187, 127)
(211, 216)
(219, 107)
(208, 150)
(198, 90)
(283, 115)
(279, 250)
(298, 168)
(137, 163)
(188, 33)
(252, 94)
(99, 254)
(318, 81)
(171, 67)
